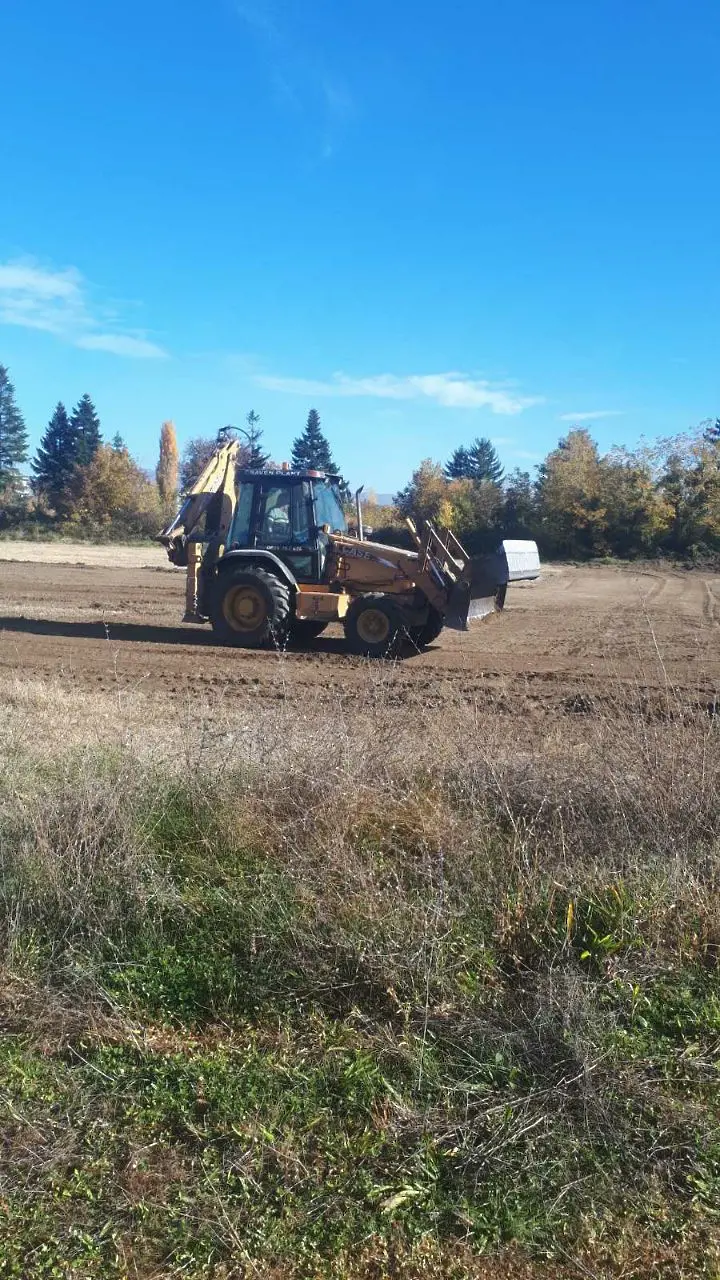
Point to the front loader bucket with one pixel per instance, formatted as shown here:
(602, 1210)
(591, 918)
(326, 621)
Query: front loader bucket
(458, 607)
(481, 595)
(484, 593)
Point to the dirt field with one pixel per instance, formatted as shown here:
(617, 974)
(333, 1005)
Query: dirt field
(348, 830)
(106, 619)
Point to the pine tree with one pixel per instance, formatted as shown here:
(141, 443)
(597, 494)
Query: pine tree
(54, 462)
(311, 450)
(87, 427)
(458, 467)
(13, 435)
(483, 461)
(168, 467)
(256, 458)
(118, 444)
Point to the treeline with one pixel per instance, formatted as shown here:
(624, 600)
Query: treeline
(79, 483)
(82, 485)
(660, 499)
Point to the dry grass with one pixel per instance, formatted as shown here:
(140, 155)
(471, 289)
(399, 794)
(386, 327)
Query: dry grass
(463, 967)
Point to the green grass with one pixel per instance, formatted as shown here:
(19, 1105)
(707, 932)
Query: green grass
(249, 1031)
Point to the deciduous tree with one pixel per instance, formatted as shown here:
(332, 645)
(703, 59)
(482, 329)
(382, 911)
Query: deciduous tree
(570, 497)
(636, 513)
(690, 485)
(427, 496)
(711, 434)
(168, 467)
(113, 490)
(519, 514)
(475, 509)
(196, 455)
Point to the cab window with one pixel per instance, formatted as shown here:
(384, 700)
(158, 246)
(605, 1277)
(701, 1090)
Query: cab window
(301, 512)
(240, 532)
(275, 525)
(328, 509)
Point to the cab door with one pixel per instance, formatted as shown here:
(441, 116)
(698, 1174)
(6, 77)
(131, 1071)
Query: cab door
(284, 525)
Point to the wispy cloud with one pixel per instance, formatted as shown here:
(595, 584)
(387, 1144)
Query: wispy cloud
(258, 14)
(121, 344)
(58, 302)
(300, 79)
(451, 390)
(591, 417)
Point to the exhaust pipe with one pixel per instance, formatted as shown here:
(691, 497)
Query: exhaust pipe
(358, 508)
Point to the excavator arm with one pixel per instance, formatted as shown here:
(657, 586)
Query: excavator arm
(214, 491)
(214, 495)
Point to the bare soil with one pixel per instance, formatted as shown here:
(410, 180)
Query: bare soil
(109, 618)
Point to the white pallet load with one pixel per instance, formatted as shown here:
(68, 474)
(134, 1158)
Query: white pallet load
(523, 560)
(515, 560)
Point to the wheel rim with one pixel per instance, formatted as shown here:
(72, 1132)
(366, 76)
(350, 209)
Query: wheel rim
(244, 609)
(373, 626)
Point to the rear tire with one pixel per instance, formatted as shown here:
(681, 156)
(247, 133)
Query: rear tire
(249, 608)
(305, 630)
(430, 630)
(373, 625)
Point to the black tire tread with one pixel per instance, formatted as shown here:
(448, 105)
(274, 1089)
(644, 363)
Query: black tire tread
(278, 622)
(372, 600)
(430, 630)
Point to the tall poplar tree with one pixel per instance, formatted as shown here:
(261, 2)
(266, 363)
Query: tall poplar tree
(167, 473)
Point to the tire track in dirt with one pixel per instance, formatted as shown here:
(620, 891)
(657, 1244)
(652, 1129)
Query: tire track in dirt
(577, 641)
(656, 591)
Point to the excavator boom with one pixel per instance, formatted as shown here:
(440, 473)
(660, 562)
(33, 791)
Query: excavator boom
(216, 484)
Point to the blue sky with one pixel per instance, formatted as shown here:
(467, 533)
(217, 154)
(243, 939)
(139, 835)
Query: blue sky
(429, 221)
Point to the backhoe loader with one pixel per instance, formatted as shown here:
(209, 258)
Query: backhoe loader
(269, 558)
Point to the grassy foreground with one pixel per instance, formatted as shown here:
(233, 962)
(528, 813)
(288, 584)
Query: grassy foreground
(334, 1010)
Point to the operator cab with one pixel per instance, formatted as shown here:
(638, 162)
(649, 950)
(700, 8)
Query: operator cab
(289, 513)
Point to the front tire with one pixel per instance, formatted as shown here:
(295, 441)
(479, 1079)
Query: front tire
(373, 625)
(250, 608)
(430, 630)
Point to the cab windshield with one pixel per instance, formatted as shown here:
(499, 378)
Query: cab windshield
(328, 508)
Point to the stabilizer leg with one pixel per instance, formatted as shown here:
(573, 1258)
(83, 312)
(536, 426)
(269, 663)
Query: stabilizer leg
(194, 560)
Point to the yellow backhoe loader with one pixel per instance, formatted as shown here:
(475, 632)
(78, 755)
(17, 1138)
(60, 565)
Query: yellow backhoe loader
(269, 558)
